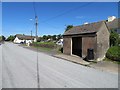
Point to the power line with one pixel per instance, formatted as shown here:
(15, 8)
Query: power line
(34, 8)
(66, 12)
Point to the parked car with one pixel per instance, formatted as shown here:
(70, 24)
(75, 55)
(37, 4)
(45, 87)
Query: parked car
(60, 42)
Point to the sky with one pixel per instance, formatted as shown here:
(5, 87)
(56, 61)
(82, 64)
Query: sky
(53, 17)
(0, 19)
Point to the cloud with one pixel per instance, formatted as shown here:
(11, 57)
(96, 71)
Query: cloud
(30, 19)
(79, 17)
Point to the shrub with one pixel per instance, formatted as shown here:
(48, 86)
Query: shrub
(113, 53)
(114, 38)
(44, 44)
(61, 49)
(10, 38)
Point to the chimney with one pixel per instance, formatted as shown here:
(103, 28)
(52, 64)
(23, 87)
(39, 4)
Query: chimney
(111, 18)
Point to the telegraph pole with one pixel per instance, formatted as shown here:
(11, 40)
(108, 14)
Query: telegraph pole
(36, 24)
(38, 76)
(31, 35)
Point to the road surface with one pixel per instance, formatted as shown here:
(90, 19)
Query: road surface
(19, 71)
(0, 66)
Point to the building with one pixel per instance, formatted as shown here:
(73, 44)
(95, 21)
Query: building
(91, 36)
(115, 24)
(19, 38)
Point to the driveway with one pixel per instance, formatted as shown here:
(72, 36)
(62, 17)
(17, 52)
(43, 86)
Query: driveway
(19, 70)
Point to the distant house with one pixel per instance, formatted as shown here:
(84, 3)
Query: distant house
(19, 38)
(92, 36)
(115, 24)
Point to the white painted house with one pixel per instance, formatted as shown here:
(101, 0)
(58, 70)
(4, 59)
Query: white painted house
(19, 38)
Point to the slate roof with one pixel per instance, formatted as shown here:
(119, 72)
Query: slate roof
(93, 27)
(24, 37)
(114, 24)
(87, 28)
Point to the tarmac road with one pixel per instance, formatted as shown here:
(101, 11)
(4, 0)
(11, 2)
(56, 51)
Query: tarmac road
(0, 66)
(19, 70)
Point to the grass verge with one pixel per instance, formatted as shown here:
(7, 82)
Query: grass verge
(107, 59)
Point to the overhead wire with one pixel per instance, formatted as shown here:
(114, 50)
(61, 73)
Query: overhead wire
(34, 8)
(66, 12)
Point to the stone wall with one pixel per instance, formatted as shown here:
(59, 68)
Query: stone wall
(67, 46)
(88, 42)
(102, 42)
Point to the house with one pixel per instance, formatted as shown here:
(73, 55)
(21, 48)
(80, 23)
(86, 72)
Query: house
(91, 36)
(115, 24)
(19, 38)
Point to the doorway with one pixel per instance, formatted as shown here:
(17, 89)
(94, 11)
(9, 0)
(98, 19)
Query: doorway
(77, 46)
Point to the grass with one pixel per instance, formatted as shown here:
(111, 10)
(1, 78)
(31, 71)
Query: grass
(42, 48)
(49, 43)
(45, 49)
(44, 44)
(107, 59)
(48, 50)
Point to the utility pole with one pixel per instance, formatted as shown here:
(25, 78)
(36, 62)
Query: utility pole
(31, 34)
(38, 76)
(36, 24)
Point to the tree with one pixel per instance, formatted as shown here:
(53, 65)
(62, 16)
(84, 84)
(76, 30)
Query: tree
(44, 37)
(49, 36)
(10, 38)
(2, 38)
(54, 37)
(114, 38)
(39, 39)
(59, 36)
(68, 27)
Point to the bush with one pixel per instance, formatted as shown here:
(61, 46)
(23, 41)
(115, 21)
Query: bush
(10, 38)
(113, 53)
(61, 49)
(44, 44)
(114, 38)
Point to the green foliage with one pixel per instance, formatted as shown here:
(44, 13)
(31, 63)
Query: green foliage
(59, 36)
(38, 39)
(114, 38)
(61, 49)
(44, 44)
(10, 38)
(52, 37)
(68, 27)
(113, 53)
(45, 37)
(2, 38)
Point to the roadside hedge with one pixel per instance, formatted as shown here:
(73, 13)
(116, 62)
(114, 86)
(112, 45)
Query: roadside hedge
(113, 53)
(44, 44)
